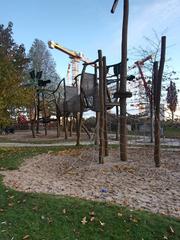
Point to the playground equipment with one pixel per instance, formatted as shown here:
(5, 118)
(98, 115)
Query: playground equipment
(94, 92)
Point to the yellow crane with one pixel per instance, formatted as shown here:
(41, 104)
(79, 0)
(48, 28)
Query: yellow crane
(75, 56)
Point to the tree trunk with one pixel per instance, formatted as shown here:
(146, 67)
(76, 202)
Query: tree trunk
(45, 114)
(38, 111)
(33, 128)
(32, 116)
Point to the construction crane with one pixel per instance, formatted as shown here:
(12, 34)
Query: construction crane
(75, 56)
(139, 64)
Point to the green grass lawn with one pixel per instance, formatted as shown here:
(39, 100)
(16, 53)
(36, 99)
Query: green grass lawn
(47, 217)
(172, 132)
(12, 157)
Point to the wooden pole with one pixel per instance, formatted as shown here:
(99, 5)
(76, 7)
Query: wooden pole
(78, 126)
(117, 112)
(101, 103)
(71, 127)
(123, 79)
(80, 114)
(58, 121)
(64, 112)
(96, 141)
(158, 82)
(106, 152)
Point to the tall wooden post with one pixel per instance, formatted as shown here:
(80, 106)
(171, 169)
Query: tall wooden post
(157, 89)
(58, 121)
(64, 112)
(101, 103)
(71, 127)
(156, 121)
(123, 79)
(117, 111)
(105, 109)
(96, 140)
(78, 126)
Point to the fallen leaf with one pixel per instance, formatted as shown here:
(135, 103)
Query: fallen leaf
(92, 219)
(134, 220)
(49, 220)
(119, 214)
(102, 224)
(64, 211)
(10, 204)
(35, 208)
(4, 222)
(10, 197)
(26, 237)
(84, 221)
(171, 229)
(49, 152)
(165, 237)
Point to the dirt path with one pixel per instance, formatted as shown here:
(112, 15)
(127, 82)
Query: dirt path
(136, 183)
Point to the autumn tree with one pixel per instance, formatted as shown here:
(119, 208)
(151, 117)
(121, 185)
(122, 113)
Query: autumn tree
(12, 64)
(172, 98)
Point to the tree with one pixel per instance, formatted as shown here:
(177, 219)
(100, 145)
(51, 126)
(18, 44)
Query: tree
(172, 98)
(42, 60)
(12, 64)
(152, 49)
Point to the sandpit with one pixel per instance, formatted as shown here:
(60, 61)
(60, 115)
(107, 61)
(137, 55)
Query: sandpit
(135, 183)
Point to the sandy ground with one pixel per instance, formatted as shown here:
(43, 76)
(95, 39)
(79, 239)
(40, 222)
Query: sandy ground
(135, 183)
